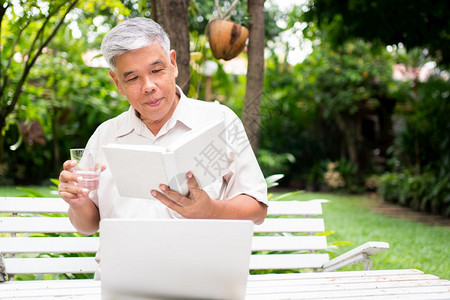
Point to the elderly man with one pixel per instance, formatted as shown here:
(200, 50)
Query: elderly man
(144, 70)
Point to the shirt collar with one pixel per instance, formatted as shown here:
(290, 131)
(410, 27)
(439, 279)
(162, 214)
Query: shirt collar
(183, 112)
(130, 123)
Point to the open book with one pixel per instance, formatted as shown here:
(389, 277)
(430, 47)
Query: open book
(137, 169)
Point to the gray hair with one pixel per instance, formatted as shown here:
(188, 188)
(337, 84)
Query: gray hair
(133, 34)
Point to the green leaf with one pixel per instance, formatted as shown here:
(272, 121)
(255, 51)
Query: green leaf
(326, 233)
(286, 195)
(30, 192)
(341, 243)
(272, 180)
(55, 182)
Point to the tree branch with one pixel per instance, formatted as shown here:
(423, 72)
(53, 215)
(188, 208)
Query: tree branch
(3, 10)
(2, 14)
(39, 33)
(8, 64)
(218, 8)
(30, 62)
(229, 12)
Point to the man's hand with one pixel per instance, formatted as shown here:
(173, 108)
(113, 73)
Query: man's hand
(197, 205)
(83, 213)
(74, 195)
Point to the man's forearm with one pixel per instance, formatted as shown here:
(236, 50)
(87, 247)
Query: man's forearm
(241, 207)
(86, 218)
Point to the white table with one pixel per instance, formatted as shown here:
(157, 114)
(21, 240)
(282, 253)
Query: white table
(385, 284)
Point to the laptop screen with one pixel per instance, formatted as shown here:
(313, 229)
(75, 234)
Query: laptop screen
(181, 258)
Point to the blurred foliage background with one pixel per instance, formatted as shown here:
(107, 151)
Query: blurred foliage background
(350, 103)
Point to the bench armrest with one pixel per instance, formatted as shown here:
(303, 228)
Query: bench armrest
(356, 255)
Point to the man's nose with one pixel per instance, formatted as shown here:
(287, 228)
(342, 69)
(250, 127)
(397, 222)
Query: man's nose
(148, 85)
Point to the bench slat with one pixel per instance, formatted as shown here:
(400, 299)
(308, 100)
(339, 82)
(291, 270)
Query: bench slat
(57, 205)
(374, 275)
(50, 265)
(295, 208)
(62, 224)
(36, 285)
(14, 245)
(289, 243)
(287, 261)
(91, 244)
(68, 293)
(33, 205)
(274, 225)
(36, 224)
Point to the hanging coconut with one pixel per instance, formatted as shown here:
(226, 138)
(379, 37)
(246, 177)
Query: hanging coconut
(226, 38)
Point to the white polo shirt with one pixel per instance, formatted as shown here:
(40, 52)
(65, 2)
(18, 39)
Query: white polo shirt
(244, 175)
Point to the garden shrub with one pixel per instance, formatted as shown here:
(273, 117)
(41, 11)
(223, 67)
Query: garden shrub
(420, 159)
(425, 192)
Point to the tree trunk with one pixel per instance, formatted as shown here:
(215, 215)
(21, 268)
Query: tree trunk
(350, 140)
(172, 15)
(255, 73)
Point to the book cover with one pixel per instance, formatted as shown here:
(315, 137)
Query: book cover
(137, 169)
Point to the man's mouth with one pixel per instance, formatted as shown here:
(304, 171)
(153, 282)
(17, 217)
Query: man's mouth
(153, 103)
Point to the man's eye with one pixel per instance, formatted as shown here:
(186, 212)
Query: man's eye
(157, 70)
(132, 79)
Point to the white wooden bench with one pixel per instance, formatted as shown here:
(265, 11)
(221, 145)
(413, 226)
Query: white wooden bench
(32, 242)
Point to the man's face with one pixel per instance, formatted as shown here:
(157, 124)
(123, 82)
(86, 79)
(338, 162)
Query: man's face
(146, 77)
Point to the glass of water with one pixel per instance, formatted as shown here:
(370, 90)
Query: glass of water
(88, 167)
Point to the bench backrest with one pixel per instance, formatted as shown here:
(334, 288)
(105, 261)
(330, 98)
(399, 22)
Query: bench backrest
(36, 237)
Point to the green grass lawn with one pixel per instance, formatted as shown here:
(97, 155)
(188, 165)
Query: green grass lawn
(413, 245)
(26, 191)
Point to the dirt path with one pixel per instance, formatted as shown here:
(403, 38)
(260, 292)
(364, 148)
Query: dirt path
(397, 211)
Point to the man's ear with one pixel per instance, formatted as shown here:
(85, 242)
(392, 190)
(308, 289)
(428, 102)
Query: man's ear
(116, 81)
(173, 61)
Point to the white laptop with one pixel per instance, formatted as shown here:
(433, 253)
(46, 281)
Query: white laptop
(174, 258)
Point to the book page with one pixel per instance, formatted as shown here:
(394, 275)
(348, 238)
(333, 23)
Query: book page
(210, 129)
(136, 169)
(205, 155)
